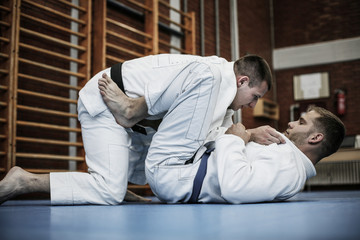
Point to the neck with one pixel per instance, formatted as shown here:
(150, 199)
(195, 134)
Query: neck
(308, 151)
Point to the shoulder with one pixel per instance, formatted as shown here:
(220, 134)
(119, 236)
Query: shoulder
(278, 152)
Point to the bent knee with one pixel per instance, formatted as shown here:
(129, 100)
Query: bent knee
(113, 198)
(111, 194)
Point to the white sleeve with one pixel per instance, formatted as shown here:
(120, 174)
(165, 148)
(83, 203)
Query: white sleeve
(244, 180)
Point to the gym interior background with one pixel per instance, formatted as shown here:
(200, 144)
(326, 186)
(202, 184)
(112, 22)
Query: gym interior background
(50, 48)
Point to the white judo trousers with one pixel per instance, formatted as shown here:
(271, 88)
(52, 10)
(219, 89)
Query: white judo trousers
(113, 152)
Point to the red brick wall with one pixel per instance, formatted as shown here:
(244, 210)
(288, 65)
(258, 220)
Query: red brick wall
(254, 34)
(315, 21)
(312, 21)
(209, 24)
(194, 6)
(342, 75)
(225, 35)
(295, 23)
(210, 28)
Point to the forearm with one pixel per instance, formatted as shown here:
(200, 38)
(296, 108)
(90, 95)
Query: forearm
(243, 179)
(136, 109)
(265, 135)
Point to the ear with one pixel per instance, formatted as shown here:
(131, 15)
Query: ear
(241, 80)
(316, 138)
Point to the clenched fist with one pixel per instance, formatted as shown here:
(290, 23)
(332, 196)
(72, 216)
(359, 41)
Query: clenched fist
(240, 131)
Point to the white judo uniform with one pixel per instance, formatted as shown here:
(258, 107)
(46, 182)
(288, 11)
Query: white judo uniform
(192, 94)
(238, 174)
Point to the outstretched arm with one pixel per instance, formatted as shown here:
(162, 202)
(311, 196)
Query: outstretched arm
(127, 111)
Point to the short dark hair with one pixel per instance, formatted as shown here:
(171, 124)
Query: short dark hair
(256, 68)
(332, 128)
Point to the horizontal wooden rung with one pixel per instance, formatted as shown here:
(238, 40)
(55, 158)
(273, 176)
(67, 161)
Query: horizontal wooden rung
(3, 88)
(49, 141)
(47, 126)
(4, 71)
(65, 16)
(52, 53)
(3, 120)
(175, 9)
(3, 39)
(173, 22)
(122, 49)
(49, 156)
(52, 39)
(163, 51)
(174, 47)
(131, 29)
(47, 111)
(52, 25)
(130, 40)
(47, 96)
(3, 104)
(4, 55)
(73, 5)
(140, 5)
(47, 81)
(4, 9)
(5, 24)
(115, 59)
(49, 67)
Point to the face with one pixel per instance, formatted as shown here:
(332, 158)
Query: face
(300, 131)
(247, 97)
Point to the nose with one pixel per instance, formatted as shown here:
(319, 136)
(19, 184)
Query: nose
(291, 124)
(253, 104)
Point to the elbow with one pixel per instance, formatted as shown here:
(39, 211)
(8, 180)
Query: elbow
(245, 194)
(231, 196)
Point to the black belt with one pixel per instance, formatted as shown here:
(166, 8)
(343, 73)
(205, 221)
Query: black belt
(200, 175)
(116, 76)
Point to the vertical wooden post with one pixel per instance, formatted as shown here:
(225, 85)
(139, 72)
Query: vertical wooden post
(190, 35)
(81, 166)
(7, 70)
(99, 40)
(87, 42)
(14, 83)
(151, 26)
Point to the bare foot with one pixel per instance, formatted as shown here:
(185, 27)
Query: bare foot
(12, 185)
(127, 111)
(132, 197)
(18, 181)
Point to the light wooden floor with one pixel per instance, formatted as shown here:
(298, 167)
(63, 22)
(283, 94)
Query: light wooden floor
(309, 215)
